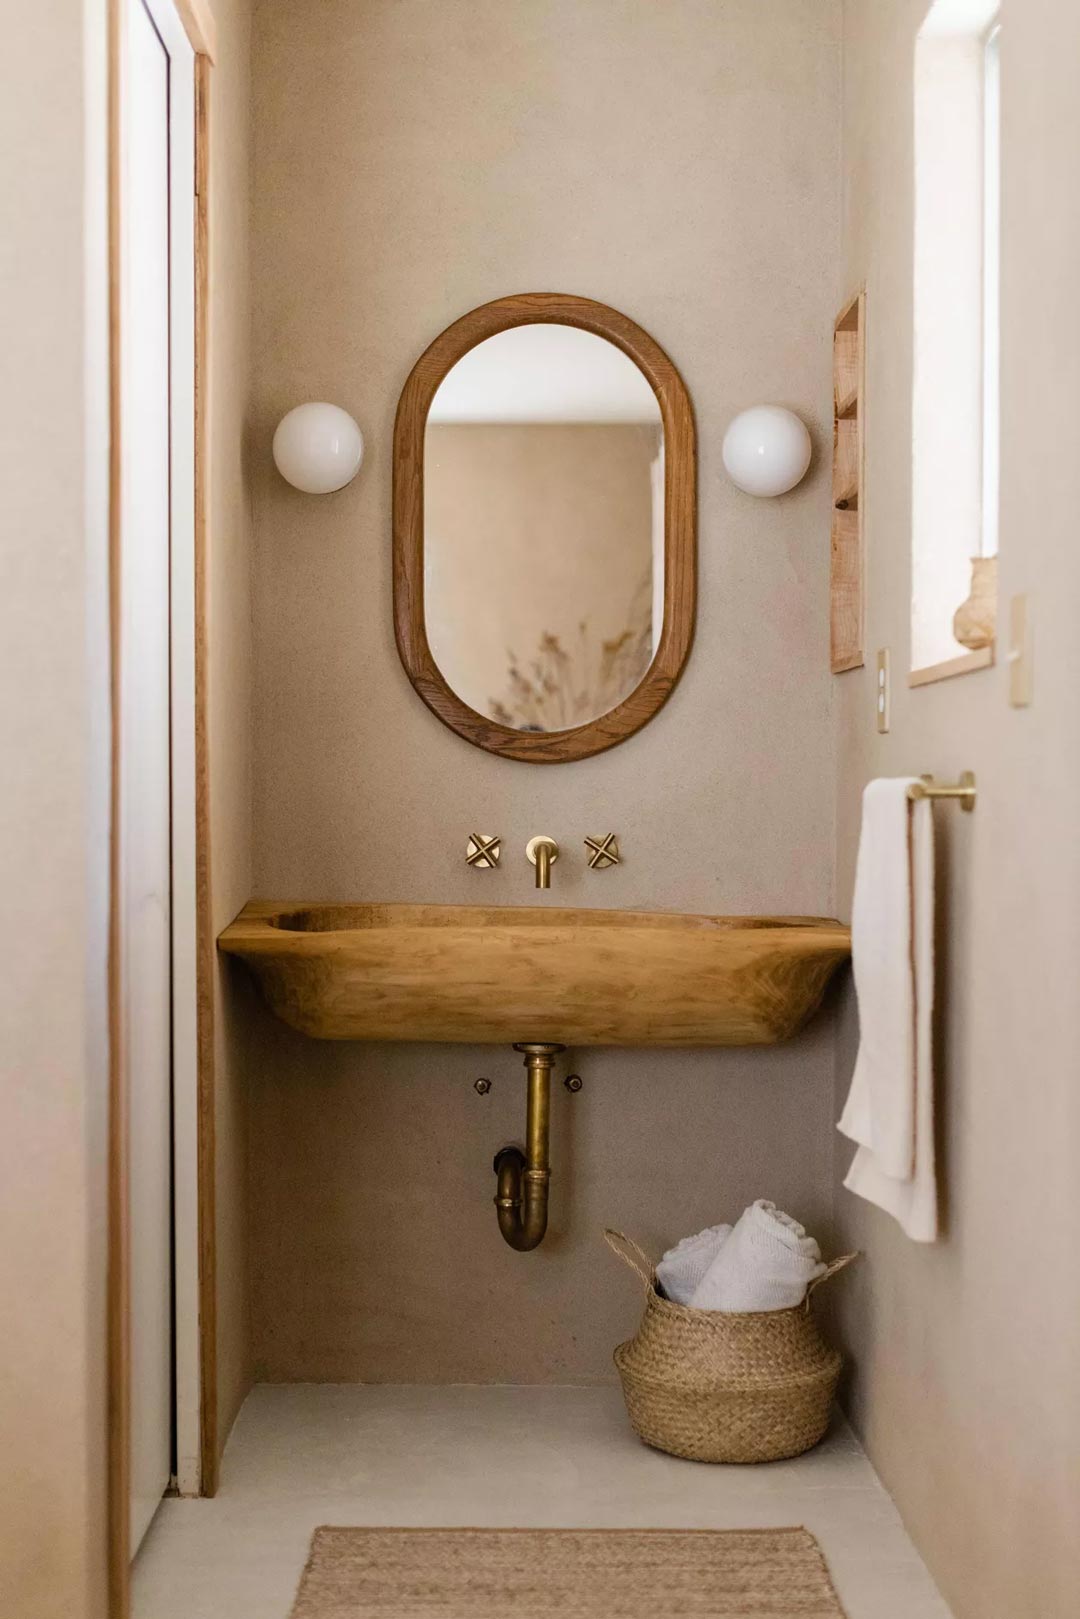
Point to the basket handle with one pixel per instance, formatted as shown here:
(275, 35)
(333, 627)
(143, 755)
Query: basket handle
(830, 1270)
(630, 1254)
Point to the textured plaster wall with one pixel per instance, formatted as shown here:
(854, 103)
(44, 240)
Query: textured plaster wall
(411, 161)
(965, 1354)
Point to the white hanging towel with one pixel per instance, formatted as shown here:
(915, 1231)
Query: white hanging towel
(890, 1107)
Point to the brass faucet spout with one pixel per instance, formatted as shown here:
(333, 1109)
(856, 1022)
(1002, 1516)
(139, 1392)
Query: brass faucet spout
(543, 853)
(521, 1196)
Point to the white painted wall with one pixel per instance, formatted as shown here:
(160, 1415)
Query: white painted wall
(54, 747)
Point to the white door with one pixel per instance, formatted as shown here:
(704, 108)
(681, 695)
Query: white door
(156, 550)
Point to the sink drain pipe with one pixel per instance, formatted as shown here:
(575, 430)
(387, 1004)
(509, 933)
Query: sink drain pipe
(521, 1197)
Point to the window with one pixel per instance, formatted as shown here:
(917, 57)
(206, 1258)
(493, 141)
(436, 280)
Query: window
(956, 394)
(991, 438)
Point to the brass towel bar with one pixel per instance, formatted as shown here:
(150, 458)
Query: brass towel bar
(964, 790)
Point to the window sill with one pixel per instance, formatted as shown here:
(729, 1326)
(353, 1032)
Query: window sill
(964, 665)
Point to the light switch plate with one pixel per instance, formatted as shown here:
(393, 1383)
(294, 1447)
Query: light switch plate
(881, 690)
(1021, 653)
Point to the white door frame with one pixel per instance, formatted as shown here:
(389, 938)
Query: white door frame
(170, 28)
(188, 25)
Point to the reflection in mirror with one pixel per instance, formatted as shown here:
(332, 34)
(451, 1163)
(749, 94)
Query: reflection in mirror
(543, 527)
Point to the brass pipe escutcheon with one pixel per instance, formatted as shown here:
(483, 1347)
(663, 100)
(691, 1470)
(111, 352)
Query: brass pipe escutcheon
(521, 1197)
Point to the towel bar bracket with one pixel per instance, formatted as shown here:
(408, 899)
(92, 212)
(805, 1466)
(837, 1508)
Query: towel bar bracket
(963, 790)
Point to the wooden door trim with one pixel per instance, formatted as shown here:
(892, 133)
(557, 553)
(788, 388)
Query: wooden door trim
(206, 954)
(199, 26)
(118, 1282)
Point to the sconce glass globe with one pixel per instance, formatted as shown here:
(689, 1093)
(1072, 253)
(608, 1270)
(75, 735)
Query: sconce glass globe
(318, 448)
(766, 450)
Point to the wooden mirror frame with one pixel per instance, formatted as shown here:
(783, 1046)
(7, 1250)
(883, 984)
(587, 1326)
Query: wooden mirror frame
(680, 550)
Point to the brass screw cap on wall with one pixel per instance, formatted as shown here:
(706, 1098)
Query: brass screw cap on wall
(481, 1086)
(603, 852)
(482, 851)
(573, 1083)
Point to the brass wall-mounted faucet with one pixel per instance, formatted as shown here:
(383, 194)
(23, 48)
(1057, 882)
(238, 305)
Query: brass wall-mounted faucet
(542, 853)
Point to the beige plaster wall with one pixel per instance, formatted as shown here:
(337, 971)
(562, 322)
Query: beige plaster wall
(534, 529)
(412, 161)
(965, 1354)
(54, 742)
(230, 660)
(54, 726)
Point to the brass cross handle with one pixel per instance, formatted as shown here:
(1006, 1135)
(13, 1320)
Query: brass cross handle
(482, 851)
(602, 852)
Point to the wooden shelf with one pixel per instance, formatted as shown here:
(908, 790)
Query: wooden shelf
(845, 370)
(845, 594)
(963, 665)
(850, 317)
(846, 538)
(846, 462)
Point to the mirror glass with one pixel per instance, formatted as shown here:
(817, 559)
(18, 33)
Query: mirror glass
(543, 527)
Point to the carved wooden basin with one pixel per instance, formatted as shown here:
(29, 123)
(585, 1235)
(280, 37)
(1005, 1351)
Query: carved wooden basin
(480, 974)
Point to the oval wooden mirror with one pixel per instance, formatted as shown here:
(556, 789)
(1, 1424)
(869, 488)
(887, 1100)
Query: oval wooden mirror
(544, 527)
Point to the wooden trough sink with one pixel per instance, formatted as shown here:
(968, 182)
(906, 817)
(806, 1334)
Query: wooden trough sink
(481, 974)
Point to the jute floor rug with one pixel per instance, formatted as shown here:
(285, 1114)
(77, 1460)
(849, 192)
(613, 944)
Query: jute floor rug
(566, 1574)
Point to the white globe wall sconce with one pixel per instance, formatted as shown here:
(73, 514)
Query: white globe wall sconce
(318, 448)
(766, 450)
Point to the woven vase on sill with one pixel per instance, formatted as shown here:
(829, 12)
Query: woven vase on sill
(725, 1386)
(975, 621)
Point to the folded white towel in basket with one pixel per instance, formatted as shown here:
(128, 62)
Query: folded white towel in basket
(767, 1263)
(684, 1266)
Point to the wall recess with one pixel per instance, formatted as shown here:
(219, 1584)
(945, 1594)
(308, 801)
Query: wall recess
(846, 567)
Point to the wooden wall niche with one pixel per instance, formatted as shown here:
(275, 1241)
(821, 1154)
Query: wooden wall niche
(846, 568)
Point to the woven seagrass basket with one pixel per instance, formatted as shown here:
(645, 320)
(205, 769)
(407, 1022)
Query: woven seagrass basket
(714, 1386)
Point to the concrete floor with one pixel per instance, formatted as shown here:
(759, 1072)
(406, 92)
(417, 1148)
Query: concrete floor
(304, 1455)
